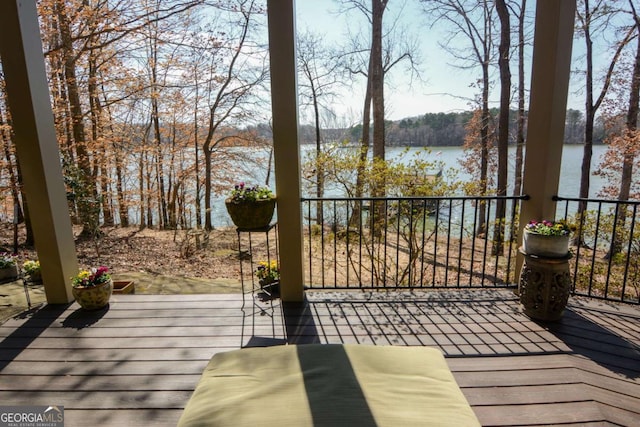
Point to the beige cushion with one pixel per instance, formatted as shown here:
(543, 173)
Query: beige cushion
(328, 385)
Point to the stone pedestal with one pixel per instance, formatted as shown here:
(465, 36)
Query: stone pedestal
(545, 284)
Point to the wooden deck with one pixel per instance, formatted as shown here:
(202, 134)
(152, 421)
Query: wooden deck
(138, 362)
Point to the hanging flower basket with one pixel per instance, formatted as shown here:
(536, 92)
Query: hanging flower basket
(251, 214)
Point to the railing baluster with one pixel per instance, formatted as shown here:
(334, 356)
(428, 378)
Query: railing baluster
(424, 232)
(336, 228)
(476, 213)
(629, 248)
(461, 238)
(595, 247)
(485, 245)
(446, 263)
(398, 225)
(435, 242)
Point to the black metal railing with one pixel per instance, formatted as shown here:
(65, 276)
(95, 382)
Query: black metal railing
(605, 247)
(456, 242)
(410, 242)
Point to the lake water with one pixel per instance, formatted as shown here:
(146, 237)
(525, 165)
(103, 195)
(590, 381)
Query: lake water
(450, 156)
(569, 172)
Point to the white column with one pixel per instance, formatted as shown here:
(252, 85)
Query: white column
(284, 102)
(36, 146)
(547, 108)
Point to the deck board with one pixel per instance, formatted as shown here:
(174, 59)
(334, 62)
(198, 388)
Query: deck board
(138, 362)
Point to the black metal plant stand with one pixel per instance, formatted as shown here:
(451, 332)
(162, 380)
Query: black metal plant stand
(250, 283)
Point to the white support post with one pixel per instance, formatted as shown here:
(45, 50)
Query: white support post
(284, 100)
(551, 68)
(36, 146)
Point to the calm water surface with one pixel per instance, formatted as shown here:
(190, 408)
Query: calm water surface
(450, 157)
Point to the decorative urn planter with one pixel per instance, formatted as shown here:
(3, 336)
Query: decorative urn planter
(545, 285)
(251, 214)
(93, 297)
(544, 245)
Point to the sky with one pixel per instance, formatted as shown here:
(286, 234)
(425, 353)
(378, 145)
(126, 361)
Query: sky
(445, 87)
(402, 99)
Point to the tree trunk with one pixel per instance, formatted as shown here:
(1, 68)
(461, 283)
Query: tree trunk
(503, 124)
(207, 188)
(196, 147)
(319, 160)
(485, 122)
(123, 210)
(356, 218)
(149, 190)
(87, 196)
(377, 210)
(377, 81)
(517, 183)
(5, 138)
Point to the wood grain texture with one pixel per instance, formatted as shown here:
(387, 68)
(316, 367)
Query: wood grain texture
(138, 362)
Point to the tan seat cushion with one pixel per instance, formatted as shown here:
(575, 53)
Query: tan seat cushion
(328, 385)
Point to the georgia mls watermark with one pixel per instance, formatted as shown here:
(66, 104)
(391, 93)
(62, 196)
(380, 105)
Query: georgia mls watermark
(31, 416)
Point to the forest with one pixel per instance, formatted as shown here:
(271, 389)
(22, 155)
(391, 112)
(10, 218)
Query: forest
(152, 98)
(445, 130)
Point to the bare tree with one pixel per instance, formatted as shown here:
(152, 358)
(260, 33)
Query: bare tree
(593, 18)
(472, 22)
(231, 87)
(623, 139)
(374, 59)
(320, 76)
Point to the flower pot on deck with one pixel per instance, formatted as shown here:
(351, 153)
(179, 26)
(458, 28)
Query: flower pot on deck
(545, 246)
(93, 297)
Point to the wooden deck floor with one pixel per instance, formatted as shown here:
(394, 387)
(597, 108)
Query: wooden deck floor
(138, 362)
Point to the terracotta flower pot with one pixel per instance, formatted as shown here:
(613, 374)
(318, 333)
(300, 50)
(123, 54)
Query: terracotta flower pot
(545, 246)
(94, 297)
(251, 214)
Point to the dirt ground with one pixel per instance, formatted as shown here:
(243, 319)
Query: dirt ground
(159, 262)
(152, 252)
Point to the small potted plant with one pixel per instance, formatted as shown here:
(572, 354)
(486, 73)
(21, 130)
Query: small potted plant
(8, 267)
(546, 238)
(268, 274)
(32, 271)
(251, 207)
(92, 288)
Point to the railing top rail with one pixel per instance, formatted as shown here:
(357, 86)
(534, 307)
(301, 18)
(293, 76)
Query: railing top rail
(317, 199)
(595, 200)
